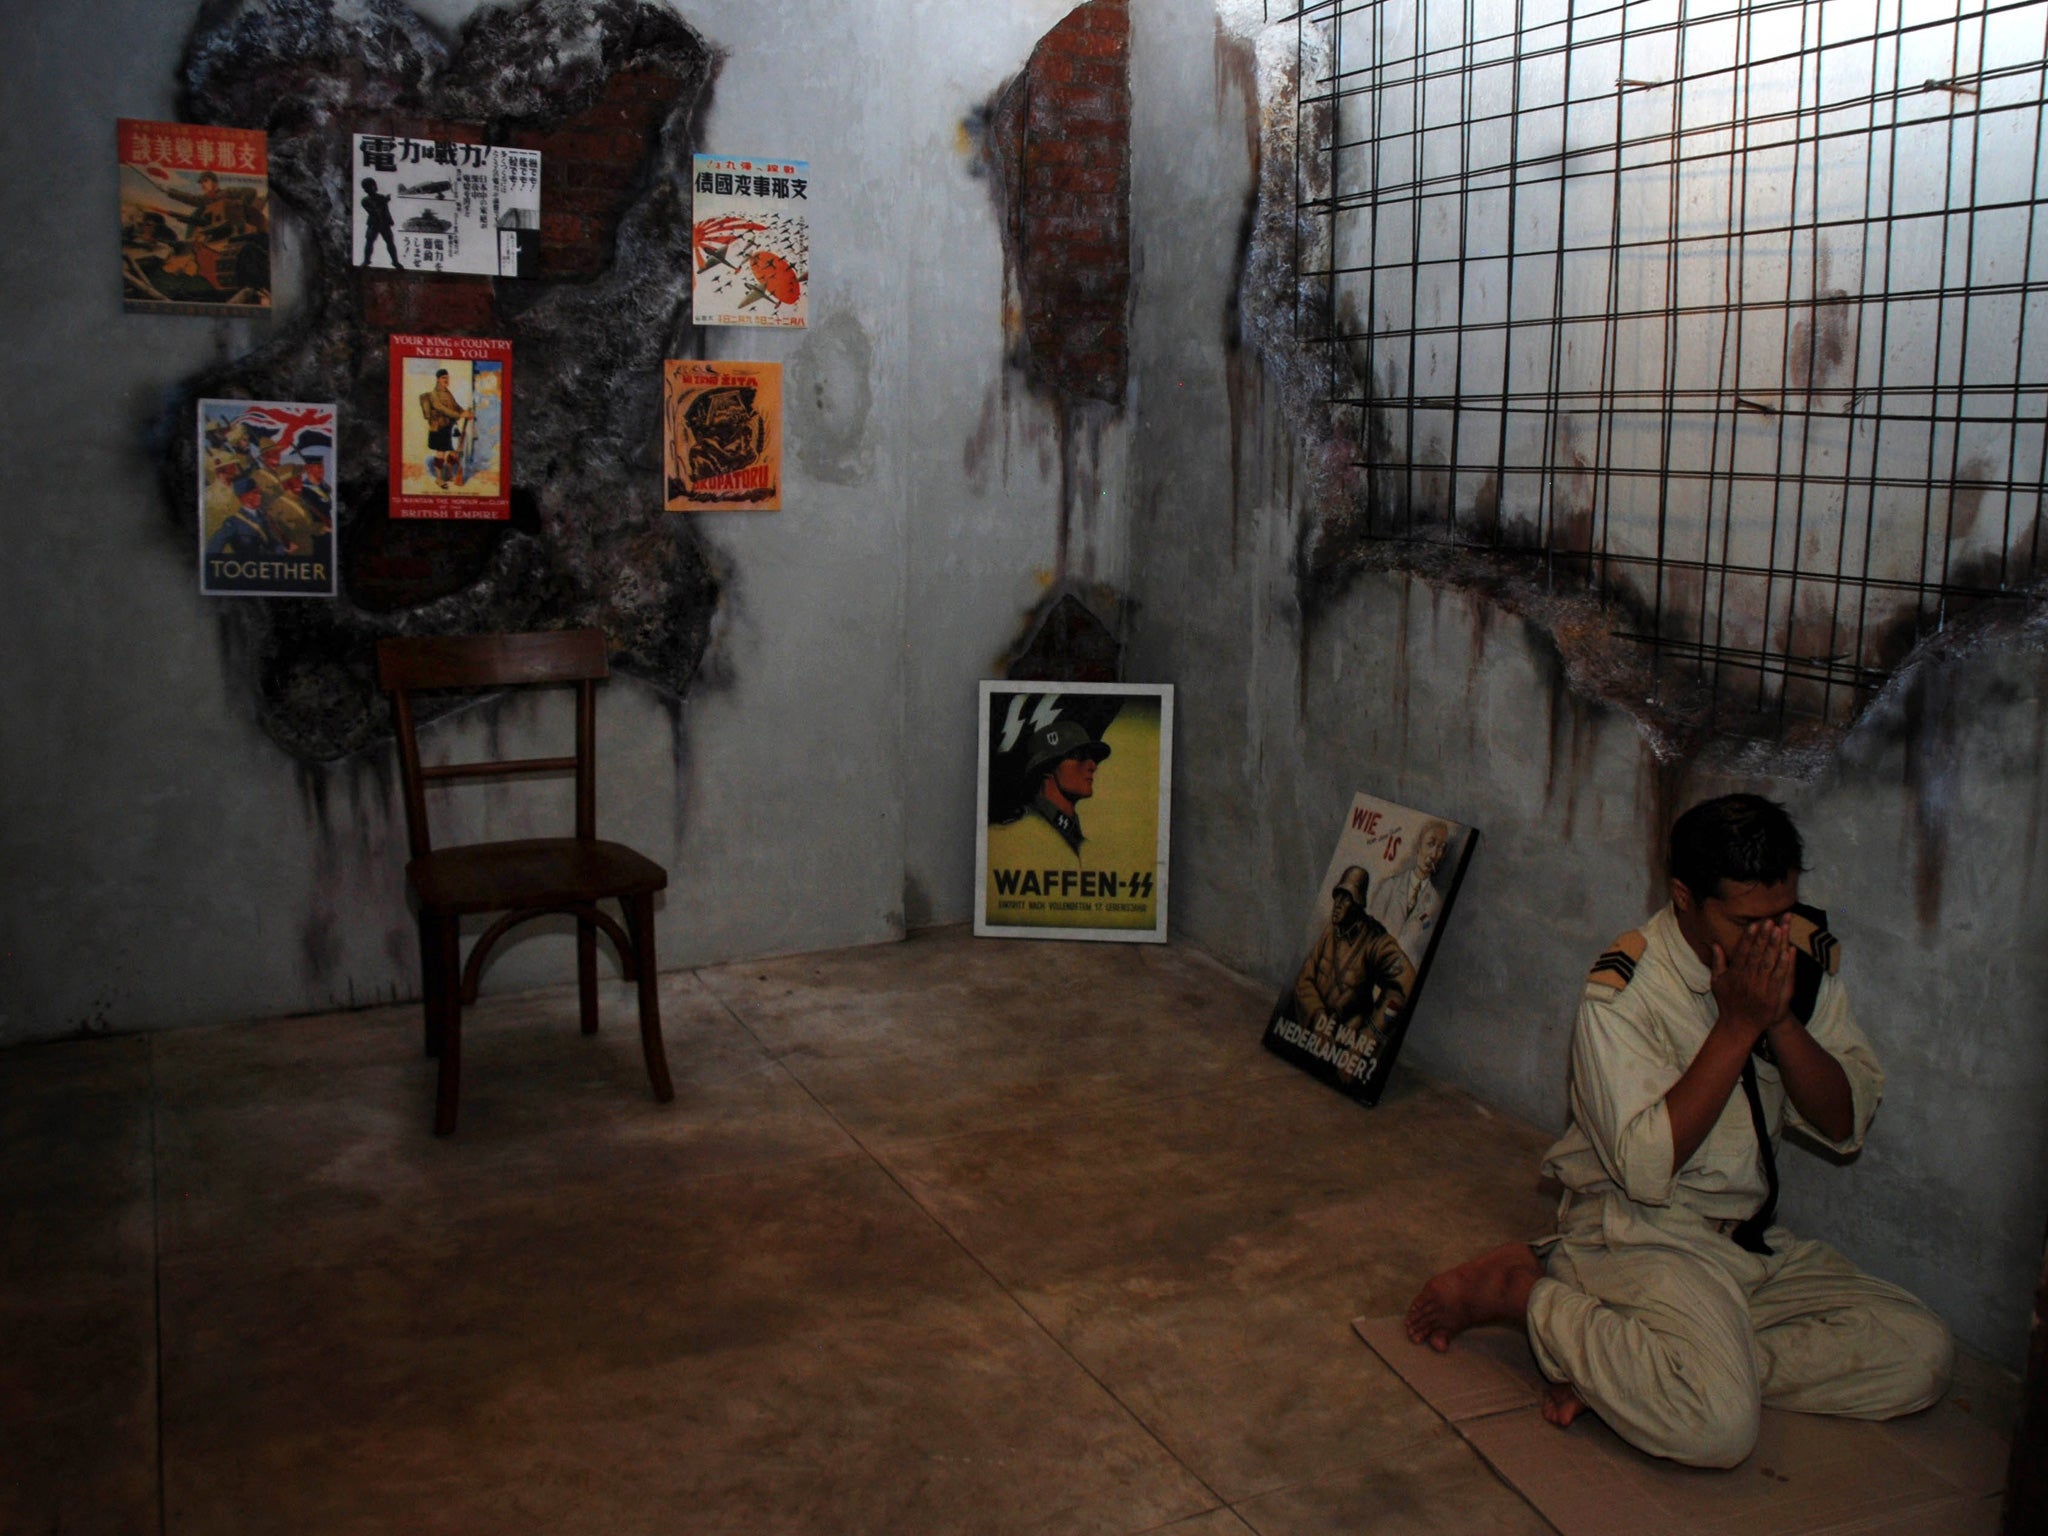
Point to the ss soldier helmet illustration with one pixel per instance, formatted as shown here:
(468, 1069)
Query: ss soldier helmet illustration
(1059, 773)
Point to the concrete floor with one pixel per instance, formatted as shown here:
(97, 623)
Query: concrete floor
(950, 1236)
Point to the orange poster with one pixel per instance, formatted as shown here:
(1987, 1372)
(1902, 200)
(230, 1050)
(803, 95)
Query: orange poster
(721, 436)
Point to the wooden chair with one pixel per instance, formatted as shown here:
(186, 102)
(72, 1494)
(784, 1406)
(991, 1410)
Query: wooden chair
(529, 878)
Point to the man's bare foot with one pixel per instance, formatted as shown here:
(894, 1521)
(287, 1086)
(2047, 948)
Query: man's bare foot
(1561, 1404)
(1493, 1288)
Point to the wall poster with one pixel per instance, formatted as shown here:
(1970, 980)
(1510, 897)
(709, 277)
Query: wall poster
(433, 205)
(1075, 780)
(750, 235)
(1373, 928)
(266, 499)
(451, 427)
(195, 219)
(721, 436)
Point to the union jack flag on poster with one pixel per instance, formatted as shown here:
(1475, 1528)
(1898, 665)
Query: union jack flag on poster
(266, 499)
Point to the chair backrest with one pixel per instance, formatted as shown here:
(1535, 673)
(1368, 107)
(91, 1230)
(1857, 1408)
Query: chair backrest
(406, 666)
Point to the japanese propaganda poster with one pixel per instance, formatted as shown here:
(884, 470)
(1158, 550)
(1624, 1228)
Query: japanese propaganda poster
(433, 205)
(266, 499)
(750, 237)
(721, 436)
(451, 427)
(1072, 811)
(1373, 927)
(195, 219)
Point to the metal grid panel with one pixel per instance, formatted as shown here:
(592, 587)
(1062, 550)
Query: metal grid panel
(1735, 309)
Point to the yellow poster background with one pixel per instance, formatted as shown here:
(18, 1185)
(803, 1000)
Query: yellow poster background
(1036, 881)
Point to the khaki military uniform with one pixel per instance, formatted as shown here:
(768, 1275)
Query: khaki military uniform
(1650, 1311)
(1359, 978)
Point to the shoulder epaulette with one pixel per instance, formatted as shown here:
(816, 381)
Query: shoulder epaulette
(1616, 966)
(1810, 936)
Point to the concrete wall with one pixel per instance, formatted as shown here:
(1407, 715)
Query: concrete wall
(166, 863)
(1925, 834)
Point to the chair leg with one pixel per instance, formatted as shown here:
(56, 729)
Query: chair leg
(640, 925)
(430, 984)
(448, 961)
(586, 973)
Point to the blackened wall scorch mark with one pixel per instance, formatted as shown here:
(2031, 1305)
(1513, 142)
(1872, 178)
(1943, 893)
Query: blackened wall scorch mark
(1931, 730)
(1057, 139)
(588, 543)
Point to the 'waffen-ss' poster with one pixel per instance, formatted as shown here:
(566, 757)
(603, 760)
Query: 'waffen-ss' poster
(721, 436)
(435, 205)
(1372, 930)
(266, 499)
(1075, 783)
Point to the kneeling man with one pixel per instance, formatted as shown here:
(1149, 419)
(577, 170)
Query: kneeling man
(1670, 1302)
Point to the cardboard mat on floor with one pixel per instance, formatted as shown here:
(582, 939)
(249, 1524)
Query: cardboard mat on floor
(1939, 1473)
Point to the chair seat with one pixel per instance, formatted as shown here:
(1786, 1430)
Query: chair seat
(532, 872)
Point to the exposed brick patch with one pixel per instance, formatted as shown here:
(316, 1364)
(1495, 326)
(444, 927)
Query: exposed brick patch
(1060, 139)
(591, 166)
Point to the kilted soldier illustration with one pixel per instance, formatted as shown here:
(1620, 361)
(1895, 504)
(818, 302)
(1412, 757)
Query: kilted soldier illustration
(447, 422)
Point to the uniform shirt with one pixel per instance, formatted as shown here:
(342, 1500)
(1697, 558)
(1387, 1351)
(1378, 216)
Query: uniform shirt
(1344, 971)
(1636, 1035)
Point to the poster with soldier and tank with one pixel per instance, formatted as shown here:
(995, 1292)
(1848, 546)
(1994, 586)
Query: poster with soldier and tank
(439, 205)
(721, 436)
(750, 241)
(1075, 779)
(266, 499)
(451, 427)
(1372, 931)
(195, 219)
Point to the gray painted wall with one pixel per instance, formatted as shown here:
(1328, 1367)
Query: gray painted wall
(1438, 699)
(166, 863)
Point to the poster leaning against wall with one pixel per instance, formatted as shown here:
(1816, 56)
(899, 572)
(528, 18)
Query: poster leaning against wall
(1075, 780)
(1372, 932)
(195, 219)
(451, 427)
(266, 499)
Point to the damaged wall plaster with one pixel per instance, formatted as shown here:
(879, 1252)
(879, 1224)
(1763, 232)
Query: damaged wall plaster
(1055, 143)
(1925, 826)
(1370, 471)
(607, 90)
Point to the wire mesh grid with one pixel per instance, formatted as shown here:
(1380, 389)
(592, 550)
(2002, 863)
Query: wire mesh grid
(1736, 310)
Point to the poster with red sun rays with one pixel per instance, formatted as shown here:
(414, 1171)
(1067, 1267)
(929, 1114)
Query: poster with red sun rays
(750, 241)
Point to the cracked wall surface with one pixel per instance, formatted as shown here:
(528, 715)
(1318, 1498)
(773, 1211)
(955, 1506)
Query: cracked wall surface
(1312, 665)
(607, 92)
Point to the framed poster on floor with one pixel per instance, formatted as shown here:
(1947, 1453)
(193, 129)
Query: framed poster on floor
(1372, 931)
(1071, 839)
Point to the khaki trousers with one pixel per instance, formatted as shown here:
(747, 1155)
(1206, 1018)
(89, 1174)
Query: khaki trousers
(1678, 1338)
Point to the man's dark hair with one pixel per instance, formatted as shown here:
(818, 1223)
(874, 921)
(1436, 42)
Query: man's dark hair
(1743, 838)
